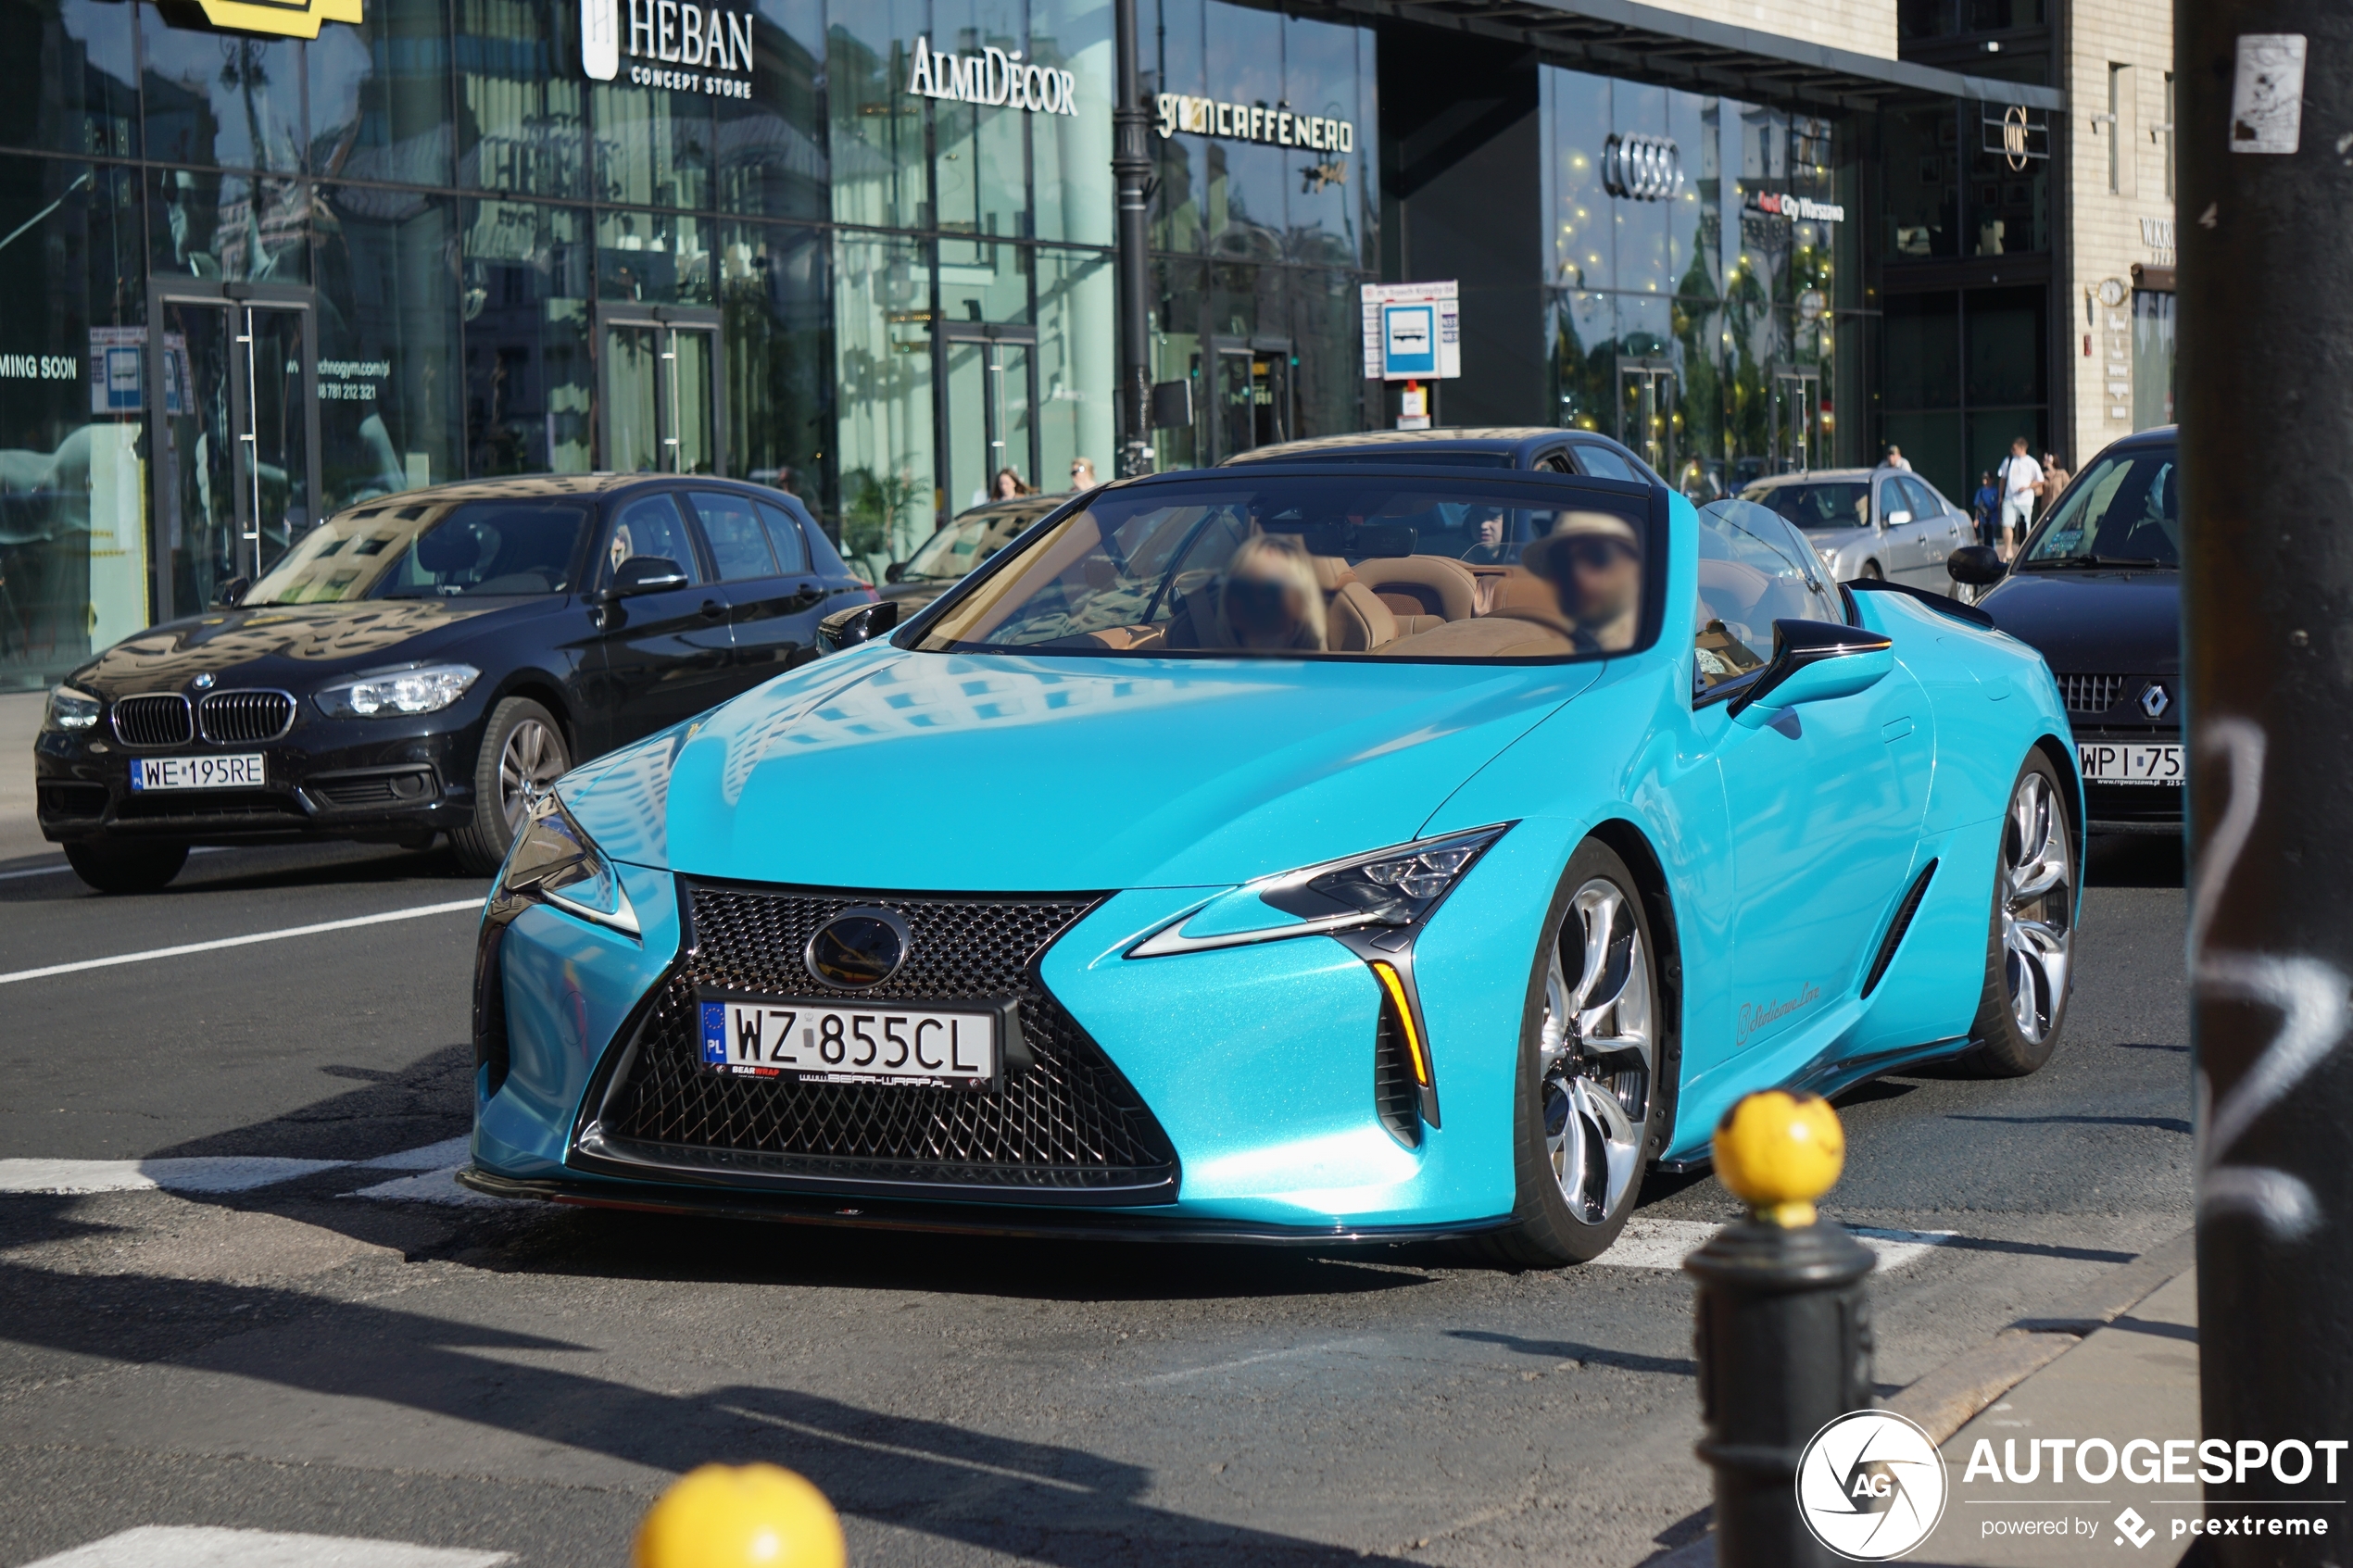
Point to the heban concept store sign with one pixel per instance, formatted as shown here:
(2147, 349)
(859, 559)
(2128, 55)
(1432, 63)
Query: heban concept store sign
(674, 44)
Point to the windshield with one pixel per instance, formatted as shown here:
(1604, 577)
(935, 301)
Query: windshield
(2123, 512)
(965, 542)
(1823, 504)
(1309, 565)
(425, 551)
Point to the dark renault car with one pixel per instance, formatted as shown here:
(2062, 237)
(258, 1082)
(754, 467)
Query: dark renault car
(2096, 590)
(423, 663)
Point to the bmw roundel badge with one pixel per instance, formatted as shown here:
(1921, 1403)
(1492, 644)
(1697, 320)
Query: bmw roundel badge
(858, 948)
(204, 682)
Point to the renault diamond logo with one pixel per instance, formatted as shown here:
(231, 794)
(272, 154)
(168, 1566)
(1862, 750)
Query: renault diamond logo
(858, 948)
(2153, 702)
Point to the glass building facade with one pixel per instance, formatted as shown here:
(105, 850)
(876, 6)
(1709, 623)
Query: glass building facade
(861, 252)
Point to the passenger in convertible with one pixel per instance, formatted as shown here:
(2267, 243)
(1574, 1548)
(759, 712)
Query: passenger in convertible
(1267, 598)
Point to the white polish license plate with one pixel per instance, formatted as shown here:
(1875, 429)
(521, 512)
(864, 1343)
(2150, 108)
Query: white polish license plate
(827, 1043)
(2103, 763)
(242, 771)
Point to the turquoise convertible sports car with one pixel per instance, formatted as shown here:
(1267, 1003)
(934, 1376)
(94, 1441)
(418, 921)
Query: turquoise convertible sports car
(1293, 852)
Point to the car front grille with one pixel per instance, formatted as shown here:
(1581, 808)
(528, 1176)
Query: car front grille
(245, 718)
(2091, 693)
(1066, 1126)
(1395, 1098)
(161, 719)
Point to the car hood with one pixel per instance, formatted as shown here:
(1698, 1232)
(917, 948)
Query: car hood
(891, 769)
(288, 644)
(2094, 622)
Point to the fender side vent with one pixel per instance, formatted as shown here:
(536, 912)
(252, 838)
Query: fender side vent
(1395, 1095)
(1897, 927)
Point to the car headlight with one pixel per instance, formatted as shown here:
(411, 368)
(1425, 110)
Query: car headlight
(554, 863)
(1398, 886)
(71, 709)
(428, 689)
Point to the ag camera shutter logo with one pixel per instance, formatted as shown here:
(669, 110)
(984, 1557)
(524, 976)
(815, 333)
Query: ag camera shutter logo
(1870, 1485)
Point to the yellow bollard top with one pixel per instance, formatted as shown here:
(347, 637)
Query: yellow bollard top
(1778, 1152)
(755, 1516)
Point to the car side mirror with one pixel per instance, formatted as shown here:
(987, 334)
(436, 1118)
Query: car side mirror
(1976, 565)
(232, 594)
(646, 574)
(859, 623)
(894, 572)
(1896, 519)
(1814, 662)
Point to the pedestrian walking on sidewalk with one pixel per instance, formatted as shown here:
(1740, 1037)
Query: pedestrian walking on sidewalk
(2021, 479)
(1985, 507)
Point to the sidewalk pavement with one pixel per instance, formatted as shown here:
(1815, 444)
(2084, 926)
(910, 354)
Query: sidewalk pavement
(20, 835)
(2119, 1361)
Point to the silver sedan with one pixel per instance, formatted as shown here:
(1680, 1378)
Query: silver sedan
(1873, 522)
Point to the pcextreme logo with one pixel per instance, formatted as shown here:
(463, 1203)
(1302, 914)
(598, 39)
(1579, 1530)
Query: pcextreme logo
(283, 19)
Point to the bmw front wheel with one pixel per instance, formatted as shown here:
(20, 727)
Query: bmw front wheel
(522, 754)
(2030, 943)
(1595, 1094)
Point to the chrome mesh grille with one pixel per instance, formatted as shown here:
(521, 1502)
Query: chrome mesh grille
(2091, 693)
(161, 718)
(1067, 1123)
(245, 718)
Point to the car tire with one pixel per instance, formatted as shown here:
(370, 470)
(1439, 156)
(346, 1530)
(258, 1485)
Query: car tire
(1578, 1156)
(1872, 573)
(2029, 940)
(523, 752)
(126, 868)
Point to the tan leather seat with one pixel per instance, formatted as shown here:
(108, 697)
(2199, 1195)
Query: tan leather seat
(1427, 585)
(1489, 636)
(1357, 622)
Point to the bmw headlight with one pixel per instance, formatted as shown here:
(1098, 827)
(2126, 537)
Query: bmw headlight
(554, 863)
(71, 709)
(428, 689)
(1389, 887)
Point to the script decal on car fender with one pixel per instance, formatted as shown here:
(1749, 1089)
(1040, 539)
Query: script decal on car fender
(1755, 1016)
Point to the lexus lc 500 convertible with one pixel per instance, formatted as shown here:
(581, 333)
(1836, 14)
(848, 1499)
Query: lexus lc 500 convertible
(1329, 852)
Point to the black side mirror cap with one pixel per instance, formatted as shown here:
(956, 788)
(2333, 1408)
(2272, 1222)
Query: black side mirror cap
(232, 594)
(894, 572)
(1803, 651)
(645, 574)
(859, 623)
(1976, 565)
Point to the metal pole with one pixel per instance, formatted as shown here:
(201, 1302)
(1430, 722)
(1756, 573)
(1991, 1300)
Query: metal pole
(1131, 168)
(2267, 585)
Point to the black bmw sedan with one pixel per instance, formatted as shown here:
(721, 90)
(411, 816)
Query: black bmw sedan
(2097, 588)
(423, 663)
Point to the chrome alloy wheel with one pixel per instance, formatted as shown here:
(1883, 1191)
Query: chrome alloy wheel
(1598, 1052)
(2038, 907)
(531, 761)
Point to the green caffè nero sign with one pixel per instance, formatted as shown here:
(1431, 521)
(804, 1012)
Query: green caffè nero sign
(993, 76)
(1253, 122)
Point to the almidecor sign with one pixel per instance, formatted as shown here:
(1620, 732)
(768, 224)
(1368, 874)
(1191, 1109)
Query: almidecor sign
(1253, 122)
(994, 76)
(674, 44)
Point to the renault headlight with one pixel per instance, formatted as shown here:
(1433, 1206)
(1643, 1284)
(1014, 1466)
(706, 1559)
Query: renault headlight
(554, 863)
(71, 709)
(1389, 887)
(393, 693)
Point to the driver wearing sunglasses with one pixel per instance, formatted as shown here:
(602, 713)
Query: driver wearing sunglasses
(1593, 562)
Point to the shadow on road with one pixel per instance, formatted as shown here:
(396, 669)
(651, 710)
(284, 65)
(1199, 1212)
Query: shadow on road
(2131, 859)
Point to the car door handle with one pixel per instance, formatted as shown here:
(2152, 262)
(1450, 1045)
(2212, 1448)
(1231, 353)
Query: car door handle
(712, 609)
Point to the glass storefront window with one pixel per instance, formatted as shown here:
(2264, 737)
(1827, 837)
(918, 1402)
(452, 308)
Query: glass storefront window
(228, 226)
(1921, 174)
(68, 81)
(1333, 216)
(878, 129)
(771, 149)
(1076, 332)
(379, 95)
(2152, 359)
(73, 555)
(653, 145)
(2009, 194)
(529, 371)
(389, 373)
(883, 380)
(1180, 298)
(520, 97)
(653, 257)
(981, 170)
(219, 100)
(1070, 153)
(776, 305)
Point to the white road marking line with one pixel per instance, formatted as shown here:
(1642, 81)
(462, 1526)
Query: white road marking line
(198, 1546)
(448, 1154)
(1328, 1347)
(895, 1450)
(61, 866)
(437, 1186)
(215, 946)
(1663, 1244)
(194, 1173)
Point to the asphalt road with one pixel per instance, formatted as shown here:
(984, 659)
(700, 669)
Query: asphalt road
(526, 1379)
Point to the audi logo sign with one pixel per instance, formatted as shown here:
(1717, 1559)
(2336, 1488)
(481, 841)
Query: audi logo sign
(1646, 168)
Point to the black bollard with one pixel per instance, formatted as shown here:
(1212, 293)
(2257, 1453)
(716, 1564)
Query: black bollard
(1783, 1329)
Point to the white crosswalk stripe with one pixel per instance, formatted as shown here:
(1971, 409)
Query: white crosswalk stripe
(198, 1173)
(1663, 1244)
(196, 1546)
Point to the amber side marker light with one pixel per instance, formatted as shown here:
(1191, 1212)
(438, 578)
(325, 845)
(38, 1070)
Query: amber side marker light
(1396, 989)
